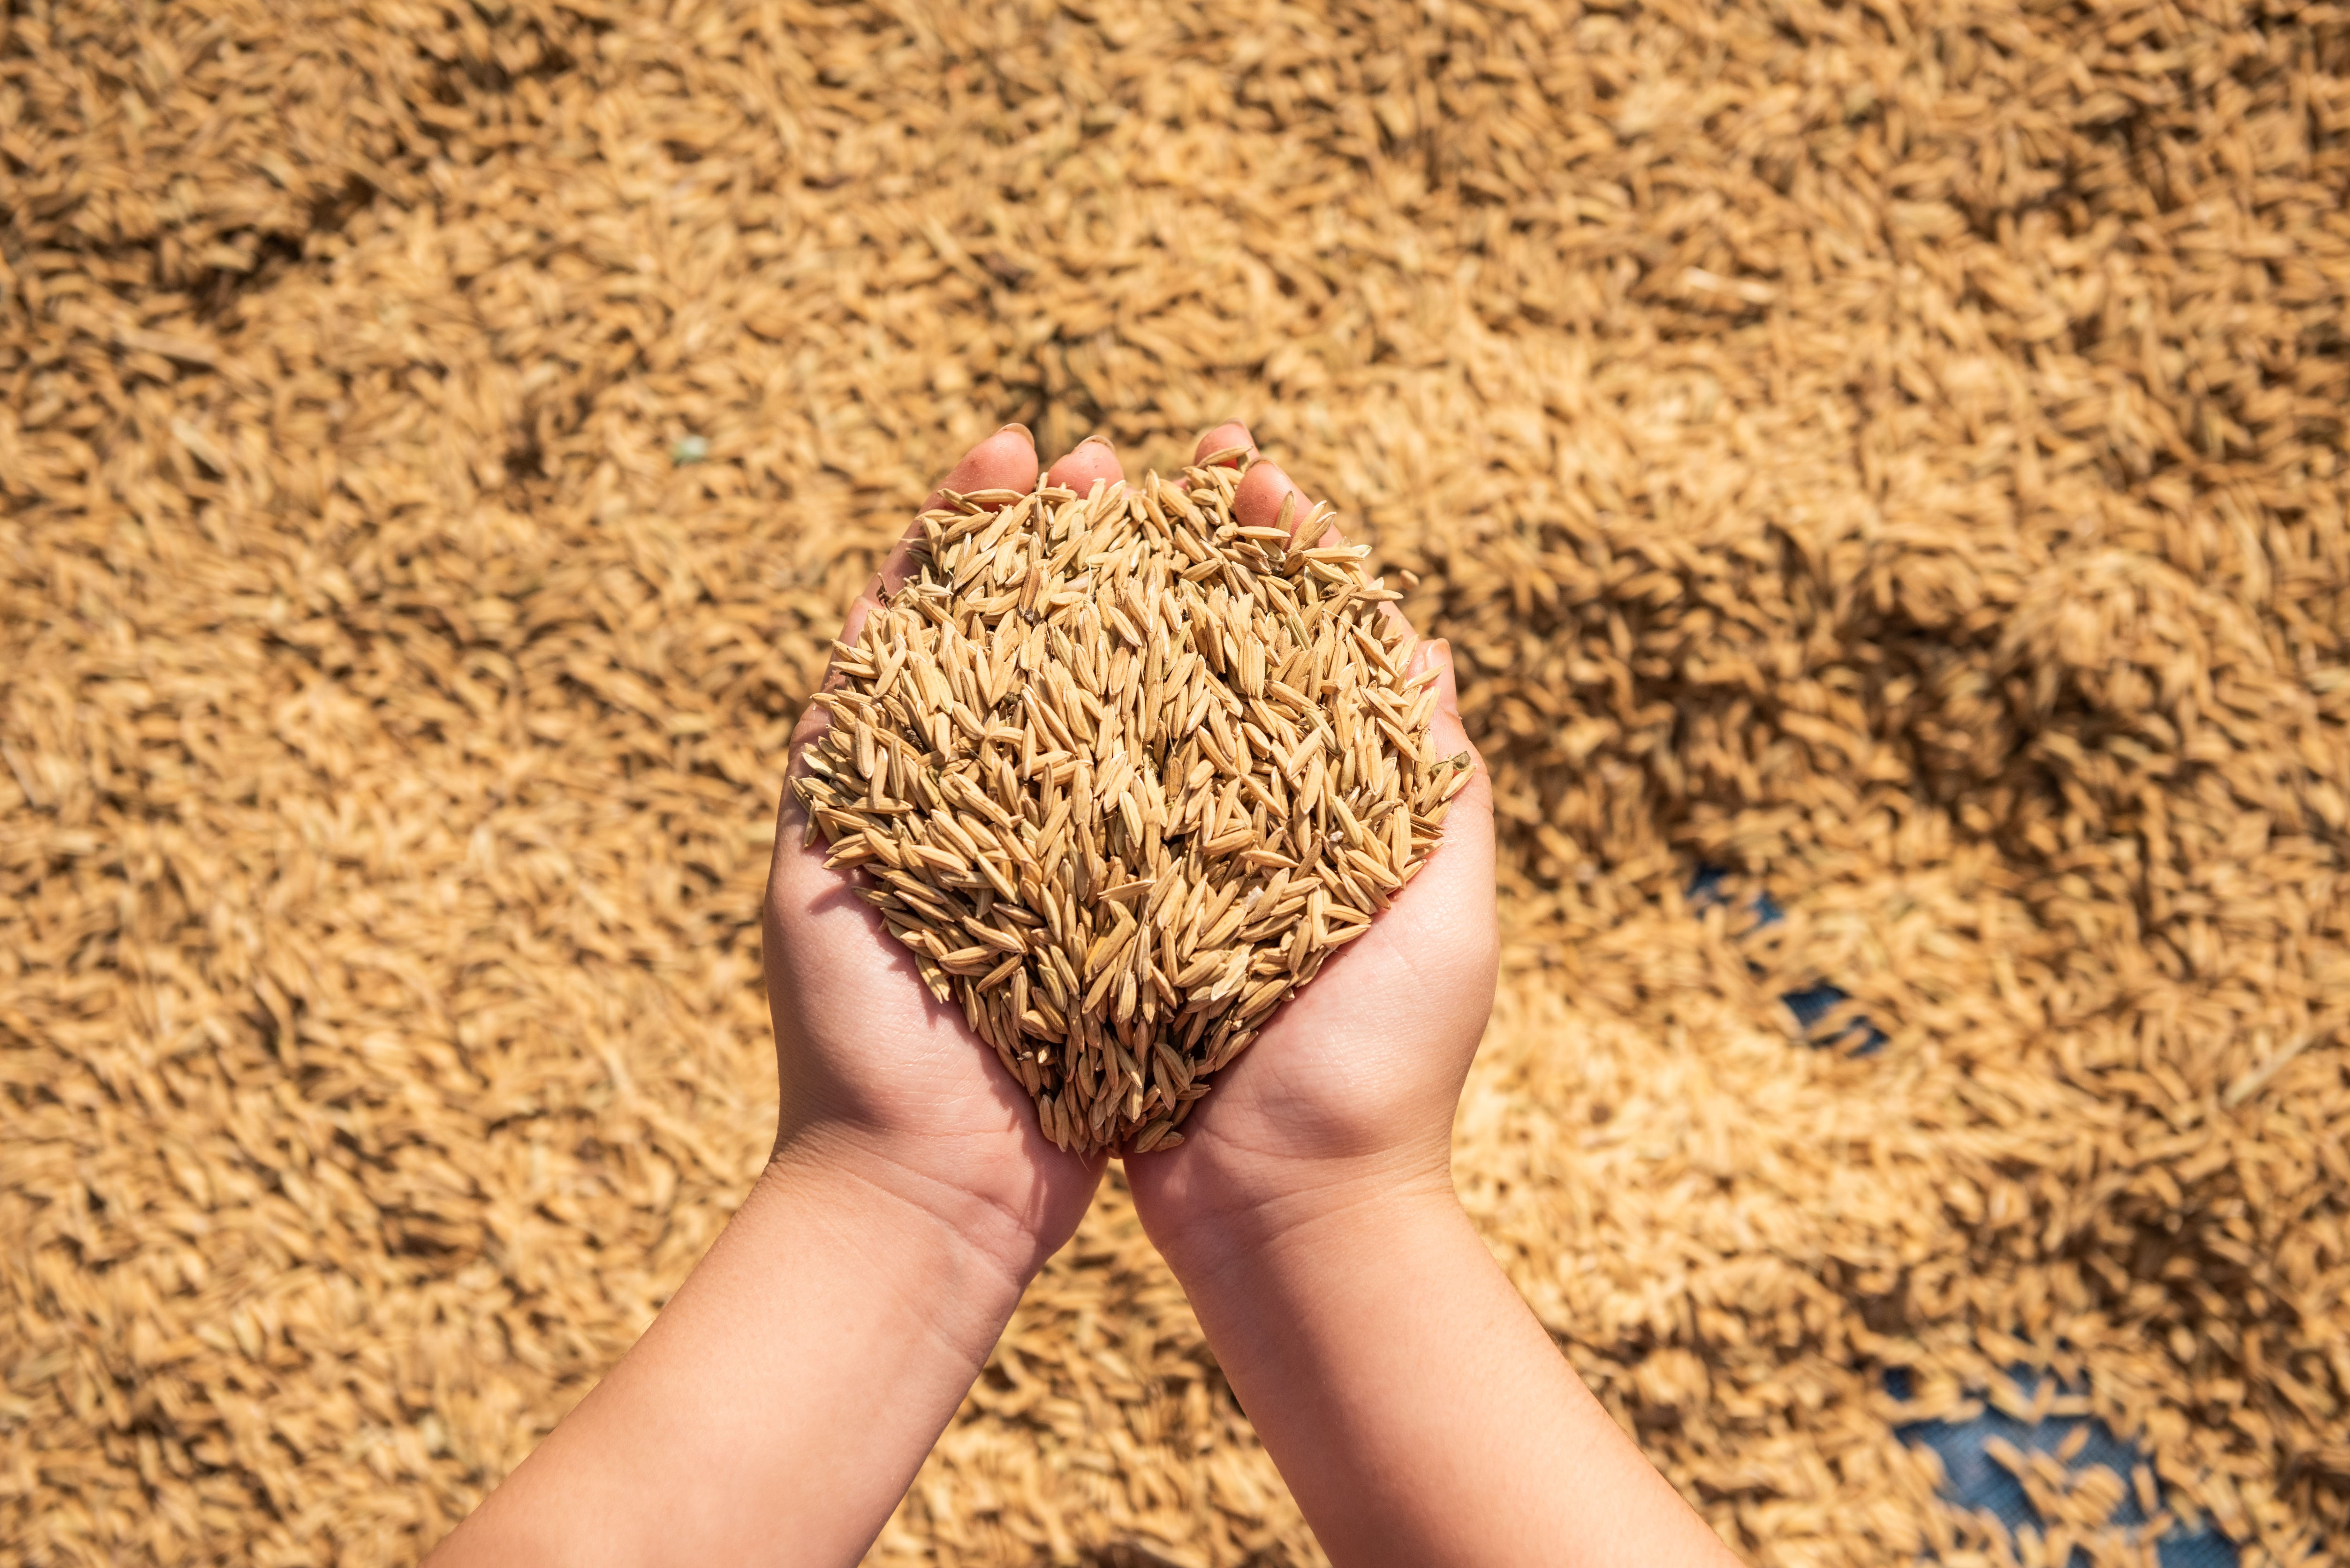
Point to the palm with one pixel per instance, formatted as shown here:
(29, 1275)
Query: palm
(1360, 1070)
(861, 1046)
(1365, 1063)
(1377, 1041)
(863, 1052)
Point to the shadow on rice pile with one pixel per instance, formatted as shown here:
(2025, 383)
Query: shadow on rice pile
(1886, 458)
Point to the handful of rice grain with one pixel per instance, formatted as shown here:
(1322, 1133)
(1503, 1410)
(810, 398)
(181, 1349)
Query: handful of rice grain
(1122, 774)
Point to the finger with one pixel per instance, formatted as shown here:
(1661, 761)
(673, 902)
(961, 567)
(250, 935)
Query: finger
(1093, 459)
(1223, 438)
(1472, 808)
(1256, 502)
(1004, 460)
(1444, 724)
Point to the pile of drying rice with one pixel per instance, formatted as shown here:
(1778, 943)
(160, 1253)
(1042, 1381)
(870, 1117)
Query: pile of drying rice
(1892, 454)
(1125, 771)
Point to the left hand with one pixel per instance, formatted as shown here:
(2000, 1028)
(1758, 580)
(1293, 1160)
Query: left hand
(876, 1075)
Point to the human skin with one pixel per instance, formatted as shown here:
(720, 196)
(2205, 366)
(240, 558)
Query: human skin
(780, 1405)
(1418, 1412)
(782, 1402)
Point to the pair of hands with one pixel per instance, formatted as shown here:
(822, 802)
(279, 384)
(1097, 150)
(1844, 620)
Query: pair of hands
(779, 1405)
(1345, 1100)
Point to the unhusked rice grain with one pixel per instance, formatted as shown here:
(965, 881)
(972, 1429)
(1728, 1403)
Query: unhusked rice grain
(1891, 454)
(1122, 772)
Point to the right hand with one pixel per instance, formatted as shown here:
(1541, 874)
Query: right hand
(879, 1082)
(1346, 1098)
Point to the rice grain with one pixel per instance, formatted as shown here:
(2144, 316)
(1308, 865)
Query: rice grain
(1088, 747)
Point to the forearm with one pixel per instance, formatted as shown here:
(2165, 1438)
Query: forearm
(779, 1405)
(1418, 1410)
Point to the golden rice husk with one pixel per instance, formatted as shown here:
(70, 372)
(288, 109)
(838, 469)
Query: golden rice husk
(1894, 454)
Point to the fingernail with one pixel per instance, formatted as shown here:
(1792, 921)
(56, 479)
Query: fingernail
(1097, 438)
(1023, 429)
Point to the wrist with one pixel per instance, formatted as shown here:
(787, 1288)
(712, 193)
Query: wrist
(1213, 1224)
(966, 1258)
(799, 1375)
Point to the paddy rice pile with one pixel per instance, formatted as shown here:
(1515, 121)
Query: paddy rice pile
(1891, 456)
(1121, 772)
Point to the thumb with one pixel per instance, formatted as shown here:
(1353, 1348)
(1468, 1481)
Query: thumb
(1444, 726)
(1472, 810)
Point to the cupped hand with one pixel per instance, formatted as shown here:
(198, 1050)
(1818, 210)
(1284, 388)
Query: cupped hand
(878, 1077)
(1347, 1096)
